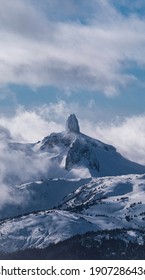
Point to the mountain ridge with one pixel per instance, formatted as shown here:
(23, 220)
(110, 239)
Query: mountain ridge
(98, 191)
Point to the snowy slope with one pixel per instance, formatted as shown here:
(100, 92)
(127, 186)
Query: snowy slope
(41, 229)
(119, 200)
(102, 203)
(39, 195)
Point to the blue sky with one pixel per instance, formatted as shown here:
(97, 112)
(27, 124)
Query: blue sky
(73, 50)
(74, 56)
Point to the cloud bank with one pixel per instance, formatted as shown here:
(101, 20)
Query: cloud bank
(127, 135)
(70, 45)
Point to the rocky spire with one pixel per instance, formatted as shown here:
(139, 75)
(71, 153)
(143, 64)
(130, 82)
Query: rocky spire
(72, 124)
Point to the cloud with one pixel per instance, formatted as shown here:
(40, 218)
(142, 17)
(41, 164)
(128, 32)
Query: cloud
(61, 50)
(6, 196)
(18, 165)
(21, 17)
(28, 126)
(127, 135)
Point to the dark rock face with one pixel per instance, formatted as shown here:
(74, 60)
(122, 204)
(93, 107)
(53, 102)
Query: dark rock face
(81, 154)
(72, 124)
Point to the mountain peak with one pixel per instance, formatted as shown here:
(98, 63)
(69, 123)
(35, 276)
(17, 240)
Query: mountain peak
(72, 124)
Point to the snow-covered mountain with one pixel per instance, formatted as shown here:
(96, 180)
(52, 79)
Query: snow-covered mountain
(105, 203)
(73, 150)
(109, 195)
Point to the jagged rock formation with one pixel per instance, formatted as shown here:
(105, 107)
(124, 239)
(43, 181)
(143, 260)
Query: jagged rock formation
(72, 124)
(72, 149)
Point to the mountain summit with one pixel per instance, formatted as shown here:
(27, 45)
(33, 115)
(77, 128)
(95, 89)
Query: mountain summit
(72, 124)
(72, 150)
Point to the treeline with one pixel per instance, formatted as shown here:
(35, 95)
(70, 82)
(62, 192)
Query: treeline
(84, 247)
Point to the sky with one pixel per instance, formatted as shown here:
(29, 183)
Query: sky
(86, 57)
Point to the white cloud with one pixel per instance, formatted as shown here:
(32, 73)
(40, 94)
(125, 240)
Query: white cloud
(36, 50)
(127, 135)
(21, 17)
(6, 195)
(29, 126)
(33, 125)
(16, 167)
